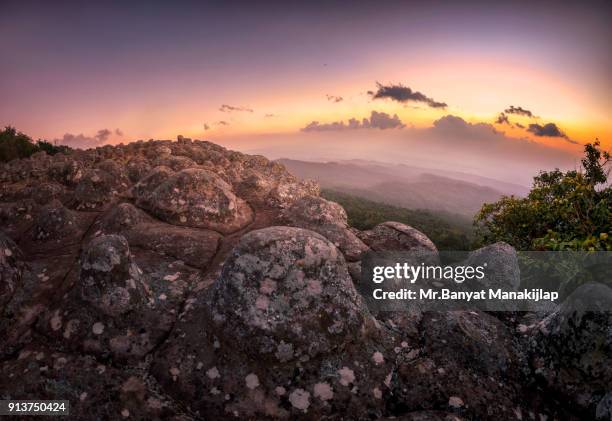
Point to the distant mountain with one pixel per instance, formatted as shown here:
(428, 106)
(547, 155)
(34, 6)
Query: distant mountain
(405, 186)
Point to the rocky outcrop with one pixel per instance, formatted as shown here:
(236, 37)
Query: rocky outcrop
(180, 280)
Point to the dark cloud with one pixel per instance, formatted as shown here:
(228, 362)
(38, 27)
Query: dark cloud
(403, 94)
(384, 121)
(519, 111)
(222, 123)
(519, 125)
(206, 126)
(229, 108)
(377, 120)
(334, 98)
(84, 142)
(502, 118)
(548, 130)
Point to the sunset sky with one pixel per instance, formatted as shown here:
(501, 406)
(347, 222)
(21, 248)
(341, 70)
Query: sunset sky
(253, 73)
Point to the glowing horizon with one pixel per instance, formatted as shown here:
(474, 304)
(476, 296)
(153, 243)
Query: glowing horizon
(64, 74)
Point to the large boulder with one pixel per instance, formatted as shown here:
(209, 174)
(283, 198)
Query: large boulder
(282, 334)
(272, 285)
(193, 197)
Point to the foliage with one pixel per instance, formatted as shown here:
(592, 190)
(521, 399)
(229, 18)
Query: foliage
(563, 211)
(448, 232)
(15, 145)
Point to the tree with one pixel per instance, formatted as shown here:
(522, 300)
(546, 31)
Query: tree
(563, 211)
(15, 145)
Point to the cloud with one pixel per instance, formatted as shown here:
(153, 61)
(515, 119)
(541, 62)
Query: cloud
(269, 115)
(334, 98)
(222, 123)
(229, 108)
(548, 130)
(519, 111)
(84, 142)
(206, 126)
(384, 121)
(377, 120)
(403, 94)
(452, 123)
(502, 118)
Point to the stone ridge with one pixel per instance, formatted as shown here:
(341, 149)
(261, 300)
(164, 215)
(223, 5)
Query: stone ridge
(181, 280)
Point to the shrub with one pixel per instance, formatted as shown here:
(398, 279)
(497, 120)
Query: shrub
(563, 211)
(15, 145)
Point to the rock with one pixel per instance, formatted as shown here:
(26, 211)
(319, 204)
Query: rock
(458, 365)
(194, 247)
(112, 312)
(428, 416)
(44, 193)
(502, 268)
(95, 390)
(317, 211)
(284, 194)
(273, 283)
(67, 172)
(116, 170)
(137, 168)
(109, 280)
(55, 222)
(395, 236)
(11, 270)
(187, 296)
(56, 230)
(122, 218)
(604, 408)
(153, 179)
(328, 219)
(96, 189)
(176, 163)
(572, 348)
(261, 353)
(195, 198)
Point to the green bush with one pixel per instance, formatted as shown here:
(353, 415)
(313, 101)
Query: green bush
(15, 145)
(563, 211)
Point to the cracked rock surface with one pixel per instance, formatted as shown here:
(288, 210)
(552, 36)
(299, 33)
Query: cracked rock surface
(183, 281)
